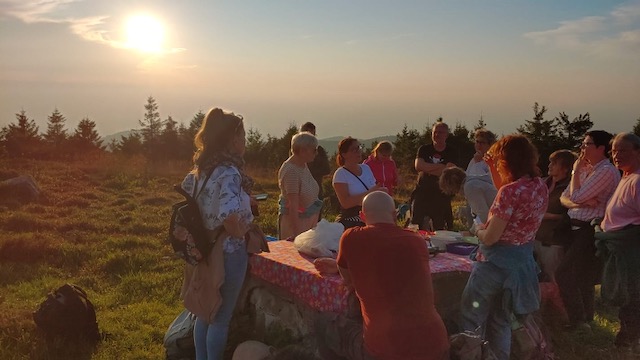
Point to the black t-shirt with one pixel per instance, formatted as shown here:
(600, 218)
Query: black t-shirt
(428, 184)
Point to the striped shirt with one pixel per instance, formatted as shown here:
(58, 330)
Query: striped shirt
(597, 182)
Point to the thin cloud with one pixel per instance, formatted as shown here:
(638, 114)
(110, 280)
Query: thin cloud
(613, 35)
(89, 28)
(32, 11)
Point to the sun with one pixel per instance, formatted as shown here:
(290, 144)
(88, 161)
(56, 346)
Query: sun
(144, 33)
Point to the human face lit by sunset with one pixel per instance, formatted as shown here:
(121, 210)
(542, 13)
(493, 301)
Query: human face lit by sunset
(588, 148)
(354, 153)
(481, 145)
(144, 33)
(624, 156)
(439, 134)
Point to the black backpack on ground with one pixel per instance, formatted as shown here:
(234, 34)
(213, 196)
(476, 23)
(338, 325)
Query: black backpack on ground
(187, 234)
(68, 317)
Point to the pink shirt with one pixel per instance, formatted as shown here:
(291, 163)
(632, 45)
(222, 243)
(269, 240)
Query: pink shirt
(598, 182)
(624, 207)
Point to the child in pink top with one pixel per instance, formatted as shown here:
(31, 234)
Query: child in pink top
(382, 165)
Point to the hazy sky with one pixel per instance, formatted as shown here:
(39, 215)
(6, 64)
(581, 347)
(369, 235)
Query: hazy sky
(360, 68)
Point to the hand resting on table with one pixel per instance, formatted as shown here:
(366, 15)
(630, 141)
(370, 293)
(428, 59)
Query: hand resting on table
(326, 265)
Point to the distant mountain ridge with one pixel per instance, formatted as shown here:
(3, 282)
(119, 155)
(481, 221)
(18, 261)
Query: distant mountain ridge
(330, 144)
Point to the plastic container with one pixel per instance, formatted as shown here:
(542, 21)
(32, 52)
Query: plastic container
(460, 248)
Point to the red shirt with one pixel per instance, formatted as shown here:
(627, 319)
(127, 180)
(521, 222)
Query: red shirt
(390, 271)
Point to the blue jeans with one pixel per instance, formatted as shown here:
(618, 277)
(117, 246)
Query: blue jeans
(482, 307)
(211, 339)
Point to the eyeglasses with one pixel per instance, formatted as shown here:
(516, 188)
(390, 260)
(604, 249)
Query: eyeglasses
(587, 143)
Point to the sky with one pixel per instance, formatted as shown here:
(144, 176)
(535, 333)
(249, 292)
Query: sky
(362, 68)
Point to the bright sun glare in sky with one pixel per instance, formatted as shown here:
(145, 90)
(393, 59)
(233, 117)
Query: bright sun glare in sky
(144, 33)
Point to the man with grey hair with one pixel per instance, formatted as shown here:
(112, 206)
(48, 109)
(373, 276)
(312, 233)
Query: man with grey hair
(388, 267)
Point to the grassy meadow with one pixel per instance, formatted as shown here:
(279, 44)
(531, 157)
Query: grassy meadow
(101, 224)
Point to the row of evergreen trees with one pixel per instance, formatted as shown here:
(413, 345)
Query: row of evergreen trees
(158, 139)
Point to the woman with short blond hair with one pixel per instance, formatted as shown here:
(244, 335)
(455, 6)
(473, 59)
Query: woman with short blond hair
(299, 203)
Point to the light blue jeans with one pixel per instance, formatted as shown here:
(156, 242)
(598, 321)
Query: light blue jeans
(211, 339)
(482, 307)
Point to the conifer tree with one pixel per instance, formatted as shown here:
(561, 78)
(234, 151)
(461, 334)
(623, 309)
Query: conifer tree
(21, 139)
(86, 137)
(56, 134)
(151, 124)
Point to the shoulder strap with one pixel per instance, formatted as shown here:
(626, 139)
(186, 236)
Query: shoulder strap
(195, 188)
(357, 177)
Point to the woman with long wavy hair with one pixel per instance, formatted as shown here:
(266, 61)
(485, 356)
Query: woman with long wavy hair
(504, 279)
(212, 287)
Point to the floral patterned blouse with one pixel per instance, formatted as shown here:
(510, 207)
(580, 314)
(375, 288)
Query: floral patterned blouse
(221, 196)
(522, 204)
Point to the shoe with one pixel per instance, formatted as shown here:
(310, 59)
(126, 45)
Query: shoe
(579, 327)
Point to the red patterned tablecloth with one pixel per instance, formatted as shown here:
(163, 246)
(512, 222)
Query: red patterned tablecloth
(285, 267)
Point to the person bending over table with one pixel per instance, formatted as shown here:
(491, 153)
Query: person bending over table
(299, 203)
(504, 262)
(389, 269)
(351, 182)
(619, 244)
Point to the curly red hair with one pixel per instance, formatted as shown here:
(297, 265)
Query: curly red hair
(515, 156)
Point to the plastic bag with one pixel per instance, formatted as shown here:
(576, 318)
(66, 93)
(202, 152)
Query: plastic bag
(321, 241)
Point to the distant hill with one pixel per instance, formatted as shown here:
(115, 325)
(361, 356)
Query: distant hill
(117, 136)
(331, 144)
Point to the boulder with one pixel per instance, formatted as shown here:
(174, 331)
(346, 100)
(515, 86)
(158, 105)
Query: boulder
(22, 189)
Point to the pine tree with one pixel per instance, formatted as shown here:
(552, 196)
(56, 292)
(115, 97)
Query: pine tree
(86, 137)
(406, 145)
(542, 133)
(21, 139)
(56, 134)
(570, 133)
(169, 141)
(151, 124)
(459, 141)
(254, 150)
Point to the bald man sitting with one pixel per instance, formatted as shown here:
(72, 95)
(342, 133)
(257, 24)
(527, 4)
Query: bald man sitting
(389, 269)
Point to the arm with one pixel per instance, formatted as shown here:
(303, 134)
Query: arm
(231, 191)
(234, 226)
(293, 204)
(348, 201)
(346, 277)
(581, 192)
(495, 176)
(427, 168)
(493, 232)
